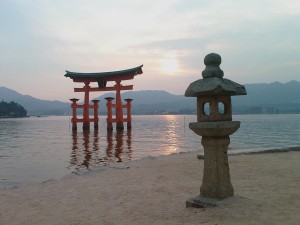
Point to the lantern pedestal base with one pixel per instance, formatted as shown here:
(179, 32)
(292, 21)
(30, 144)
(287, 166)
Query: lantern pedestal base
(202, 202)
(216, 184)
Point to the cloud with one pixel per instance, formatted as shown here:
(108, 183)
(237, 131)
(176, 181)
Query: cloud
(40, 39)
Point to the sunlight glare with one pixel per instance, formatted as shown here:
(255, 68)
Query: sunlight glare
(169, 65)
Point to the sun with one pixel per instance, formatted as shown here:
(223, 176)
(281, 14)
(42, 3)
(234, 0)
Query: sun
(169, 65)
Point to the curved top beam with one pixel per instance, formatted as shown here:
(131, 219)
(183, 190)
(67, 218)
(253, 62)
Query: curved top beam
(106, 75)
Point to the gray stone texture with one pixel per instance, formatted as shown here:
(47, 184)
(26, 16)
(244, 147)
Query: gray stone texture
(215, 129)
(214, 86)
(213, 82)
(214, 116)
(212, 62)
(216, 177)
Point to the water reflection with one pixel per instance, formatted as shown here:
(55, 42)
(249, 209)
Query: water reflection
(116, 149)
(90, 150)
(171, 135)
(35, 149)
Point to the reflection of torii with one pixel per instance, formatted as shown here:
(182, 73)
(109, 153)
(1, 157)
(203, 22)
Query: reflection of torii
(86, 151)
(102, 79)
(120, 153)
(81, 155)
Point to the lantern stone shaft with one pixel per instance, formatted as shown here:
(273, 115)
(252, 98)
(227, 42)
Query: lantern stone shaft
(214, 124)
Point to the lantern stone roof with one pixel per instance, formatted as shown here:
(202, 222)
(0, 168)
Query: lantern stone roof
(213, 82)
(128, 72)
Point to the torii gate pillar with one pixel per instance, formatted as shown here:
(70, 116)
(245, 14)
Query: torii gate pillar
(119, 107)
(109, 119)
(128, 106)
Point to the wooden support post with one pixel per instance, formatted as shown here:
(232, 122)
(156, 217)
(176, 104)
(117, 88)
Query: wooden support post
(109, 113)
(74, 117)
(96, 118)
(119, 106)
(86, 119)
(128, 106)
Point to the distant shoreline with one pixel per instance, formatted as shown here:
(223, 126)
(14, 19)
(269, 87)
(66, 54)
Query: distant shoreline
(9, 117)
(172, 114)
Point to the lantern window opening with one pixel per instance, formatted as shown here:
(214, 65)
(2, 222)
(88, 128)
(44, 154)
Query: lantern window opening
(222, 109)
(206, 108)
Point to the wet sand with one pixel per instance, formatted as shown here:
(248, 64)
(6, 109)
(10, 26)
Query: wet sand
(154, 190)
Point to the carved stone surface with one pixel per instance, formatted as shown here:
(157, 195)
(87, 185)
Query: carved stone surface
(214, 116)
(215, 129)
(216, 183)
(202, 202)
(215, 140)
(214, 110)
(216, 177)
(214, 86)
(212, 62)
(213, 82)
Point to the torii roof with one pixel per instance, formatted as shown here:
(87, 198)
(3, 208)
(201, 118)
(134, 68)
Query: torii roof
(107, 76)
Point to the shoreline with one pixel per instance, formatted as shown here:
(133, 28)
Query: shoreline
(262, 150)
(123, 165)
(153, 190)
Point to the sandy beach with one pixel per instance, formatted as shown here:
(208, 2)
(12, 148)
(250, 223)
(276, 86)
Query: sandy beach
(154, 191)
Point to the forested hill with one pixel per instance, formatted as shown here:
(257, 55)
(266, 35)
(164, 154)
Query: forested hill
(261, 98)
(35, 106)
(275, 97)
(12, 109)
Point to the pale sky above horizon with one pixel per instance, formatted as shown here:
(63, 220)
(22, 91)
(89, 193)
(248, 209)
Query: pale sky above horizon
(258, 40)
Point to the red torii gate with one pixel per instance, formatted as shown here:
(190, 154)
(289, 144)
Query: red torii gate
(102, 78)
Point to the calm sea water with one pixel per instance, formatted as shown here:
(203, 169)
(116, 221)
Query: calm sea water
(36, 149)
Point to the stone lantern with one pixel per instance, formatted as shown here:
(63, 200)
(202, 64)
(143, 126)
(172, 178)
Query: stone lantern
(214, 124)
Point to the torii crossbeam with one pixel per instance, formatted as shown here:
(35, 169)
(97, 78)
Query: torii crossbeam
(101, 79)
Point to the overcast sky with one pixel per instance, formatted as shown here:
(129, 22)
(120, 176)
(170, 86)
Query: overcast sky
(258, 40)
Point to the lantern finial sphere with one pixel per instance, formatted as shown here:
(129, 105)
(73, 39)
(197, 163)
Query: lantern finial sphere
(212, 62)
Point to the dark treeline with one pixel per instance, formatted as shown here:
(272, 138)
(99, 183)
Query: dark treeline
(12, 109)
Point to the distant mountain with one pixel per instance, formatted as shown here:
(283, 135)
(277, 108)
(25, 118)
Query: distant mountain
(146, 97)
(155, 102)
(33, 105)
(261, 98)
(269, 98)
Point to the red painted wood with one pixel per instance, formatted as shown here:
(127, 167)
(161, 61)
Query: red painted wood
(114, 78)
(123, 88)
(118, 105)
